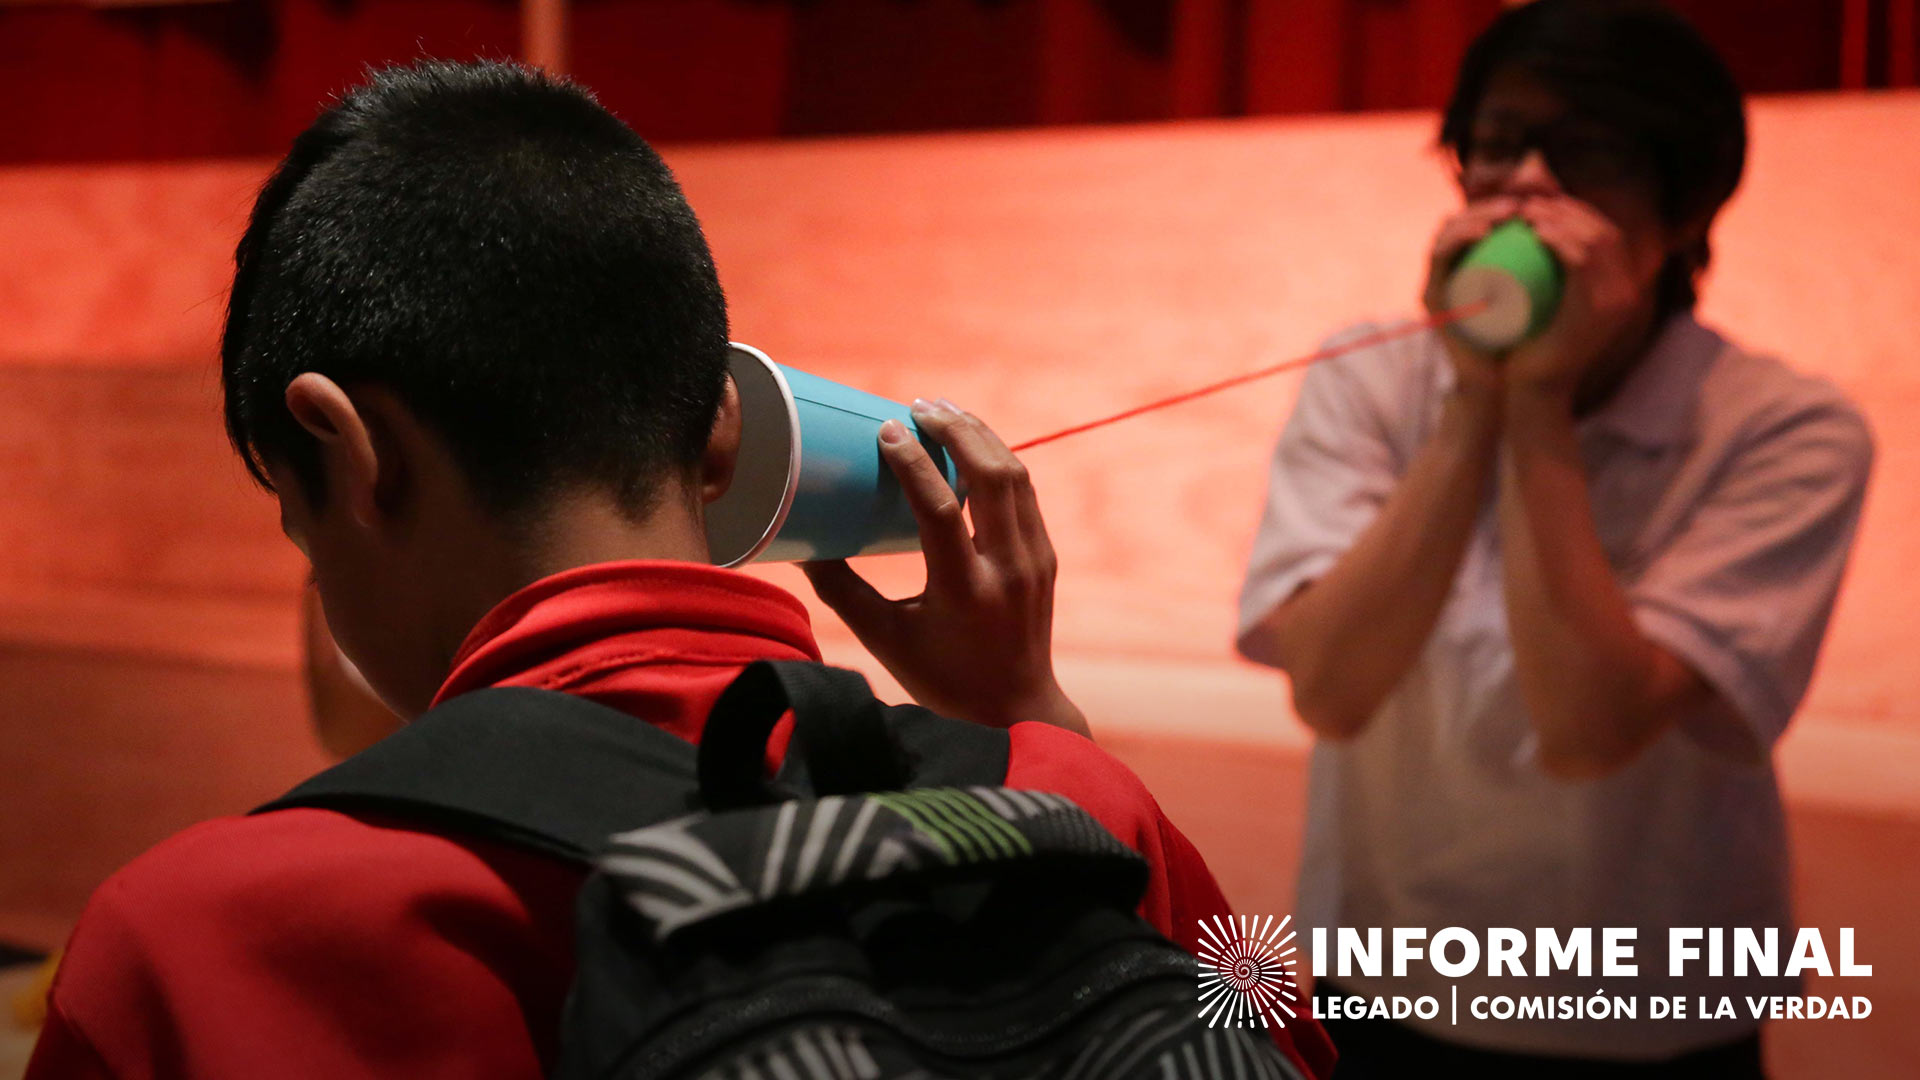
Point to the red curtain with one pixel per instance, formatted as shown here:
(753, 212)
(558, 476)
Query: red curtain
(241, 77)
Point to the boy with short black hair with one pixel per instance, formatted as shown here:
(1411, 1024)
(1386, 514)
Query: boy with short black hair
(1550, 609)
(476, 347)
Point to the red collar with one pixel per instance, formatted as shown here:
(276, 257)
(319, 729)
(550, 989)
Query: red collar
(578, 624)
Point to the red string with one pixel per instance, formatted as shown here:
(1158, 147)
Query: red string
(1403, 330)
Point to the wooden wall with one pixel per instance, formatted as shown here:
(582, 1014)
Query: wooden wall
(161, 81)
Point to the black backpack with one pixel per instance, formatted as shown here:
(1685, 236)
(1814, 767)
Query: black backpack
(880, 910)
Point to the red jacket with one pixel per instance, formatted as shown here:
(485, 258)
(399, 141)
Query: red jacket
(313, 943)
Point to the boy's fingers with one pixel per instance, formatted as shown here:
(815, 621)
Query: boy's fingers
(1034, 540)
(1570, 221)
(1031, 528)
(1565, 239)
(996, 480)
(936, 509)
(1455, 236)
(851, 597)
(1466, 230)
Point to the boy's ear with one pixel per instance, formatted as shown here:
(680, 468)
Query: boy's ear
(348, 458)
(723, 446)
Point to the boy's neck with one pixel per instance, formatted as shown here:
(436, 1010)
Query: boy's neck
(1610, 371)
(476, 565)
(589, 528)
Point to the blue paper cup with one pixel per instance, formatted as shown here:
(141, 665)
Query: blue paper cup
(810, 482)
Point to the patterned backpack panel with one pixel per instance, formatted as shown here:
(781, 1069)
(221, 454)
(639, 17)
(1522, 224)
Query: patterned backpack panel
(859, 923)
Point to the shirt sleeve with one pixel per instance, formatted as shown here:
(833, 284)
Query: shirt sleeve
(1333, 469)
(1743, 594)
(62, 1052)
(105, 995)
(1181, 890)
(214, 954)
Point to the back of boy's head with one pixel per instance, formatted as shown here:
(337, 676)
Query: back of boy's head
(508, 259)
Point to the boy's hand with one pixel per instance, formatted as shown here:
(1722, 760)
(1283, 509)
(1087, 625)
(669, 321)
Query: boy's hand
(1602, 292)
(977, 643)
(1475, 372)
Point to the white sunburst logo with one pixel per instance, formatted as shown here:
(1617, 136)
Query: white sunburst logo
(1246, 971)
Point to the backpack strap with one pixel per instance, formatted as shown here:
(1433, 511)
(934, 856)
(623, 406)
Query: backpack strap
(535, 768)
(844, 740)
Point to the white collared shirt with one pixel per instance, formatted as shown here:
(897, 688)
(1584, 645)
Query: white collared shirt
(1725, 488)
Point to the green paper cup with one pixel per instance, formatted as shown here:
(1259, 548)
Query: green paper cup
(1516, 277)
